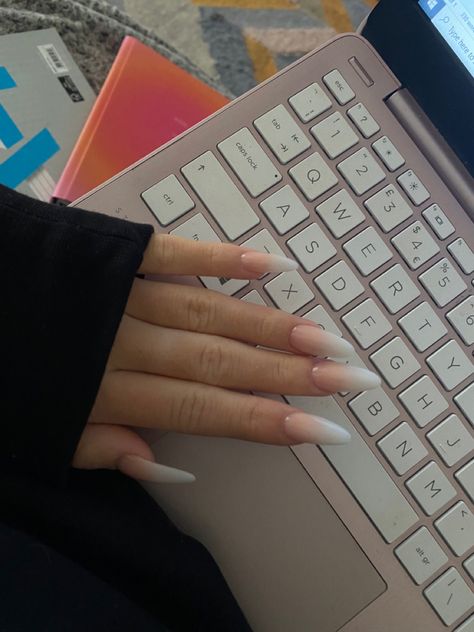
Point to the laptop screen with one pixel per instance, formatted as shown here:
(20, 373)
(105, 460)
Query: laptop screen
(454, 20)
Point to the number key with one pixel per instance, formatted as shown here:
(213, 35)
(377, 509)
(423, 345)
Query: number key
(361, 171)
(415, 245)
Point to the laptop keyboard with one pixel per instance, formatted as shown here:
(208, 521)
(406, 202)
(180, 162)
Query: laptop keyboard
(320, 127)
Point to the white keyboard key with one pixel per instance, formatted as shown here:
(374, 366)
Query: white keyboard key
(167, 200)
(465, 477)
(457, 528)
(450, 365)
(313, 176)
(467, 626)
(335, 135)
(416, 245)
(450, 596)
(438, 221)
(340, 213)
(413, 187)
(356, 464)
(431, 488)
(363, 120)
(469, 566)
(374, 409)
(421, 555)
(339, 285)
(249, 162)
(402, 448)
(395, 289)
(465, 400)
(253, 297)
(311, 247)
(451, 440)
(283, 135)
(462, 319)
(367, 323)
(388, 153)
(388, 208)
(219, 194)
(361, 171)
(284, 209)
(310, 102)
(423, 401)
(320, 316)
(368, 251)
(463, 255)
(443, 282)
(423, 326)
(289, 292)
(395, 362)
(339, 87)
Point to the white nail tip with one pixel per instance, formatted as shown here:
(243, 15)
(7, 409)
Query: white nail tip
(144, 470)
(277, 263)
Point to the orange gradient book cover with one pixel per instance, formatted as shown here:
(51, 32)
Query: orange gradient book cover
(145, 101)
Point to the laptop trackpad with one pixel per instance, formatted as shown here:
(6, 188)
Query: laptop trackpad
(286, 555)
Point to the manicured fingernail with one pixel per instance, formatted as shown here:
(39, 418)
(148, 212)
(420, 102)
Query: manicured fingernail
(305, 428)
(333, 377)
(260, 263)
(316, 341)
(144, 470)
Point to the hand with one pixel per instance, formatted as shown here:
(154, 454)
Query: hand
(185, 357)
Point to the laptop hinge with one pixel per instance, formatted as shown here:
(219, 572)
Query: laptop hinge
(442, 158)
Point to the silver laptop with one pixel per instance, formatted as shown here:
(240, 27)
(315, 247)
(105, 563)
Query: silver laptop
(373, 160)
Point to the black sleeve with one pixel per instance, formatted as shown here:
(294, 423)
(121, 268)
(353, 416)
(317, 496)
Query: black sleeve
(65, 278)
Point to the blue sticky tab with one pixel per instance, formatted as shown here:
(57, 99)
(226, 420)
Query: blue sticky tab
(9, 132)
(28, 159)
(6, 80)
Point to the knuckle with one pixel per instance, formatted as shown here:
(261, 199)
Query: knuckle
(213, 362)
(281, 372)
(191, 410)
(165, 249)
(201, 311)
(251, 416)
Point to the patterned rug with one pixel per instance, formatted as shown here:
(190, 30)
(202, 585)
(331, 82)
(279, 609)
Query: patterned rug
(242, 42)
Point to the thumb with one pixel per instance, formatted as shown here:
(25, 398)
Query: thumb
(104, 446)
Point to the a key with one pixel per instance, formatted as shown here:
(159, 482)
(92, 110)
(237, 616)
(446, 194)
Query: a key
(311, 247)
(413, 187)
(450, 365)
(339, 87)
(457, 528)
(421, 555)
(335, 135)
(395, 289)
(167, 200)
(431, 488)
(395, 362)
(402, 448)
(361, 171)
(249, 162)
(388, 153)
(374, 409)
(467, 626)
(436, 218)
(289, 292)
(340, 213)
(423, 326)
(253, 297)
(284, 209)
(313, 176)
(450, 596)
(220, 196)
(389, 208)
(465, 400)
(283, 135)
(451, 440)
(443, 282)
(368, 251)
(465, 477)
(463, 255)
(356, 464)
(462, 319)
(367, 323)
(310, 102)
(415, 245)
(469, 566)
(363, 120)
(339, 285)
(423, 401)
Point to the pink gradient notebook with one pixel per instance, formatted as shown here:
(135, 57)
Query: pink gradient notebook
(145, 101)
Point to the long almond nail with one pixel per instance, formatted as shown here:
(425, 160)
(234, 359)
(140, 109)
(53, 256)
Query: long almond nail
(260, 263)
(304, 428)
(144, 470)
(315, 341)
(333, 377)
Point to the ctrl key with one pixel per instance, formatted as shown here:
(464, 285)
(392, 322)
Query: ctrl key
(450, 596)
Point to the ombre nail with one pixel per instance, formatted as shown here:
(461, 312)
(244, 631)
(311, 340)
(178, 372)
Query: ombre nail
(143, 470)
(260, 262)
(316, 341)
(334, 376)
(304, 428)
